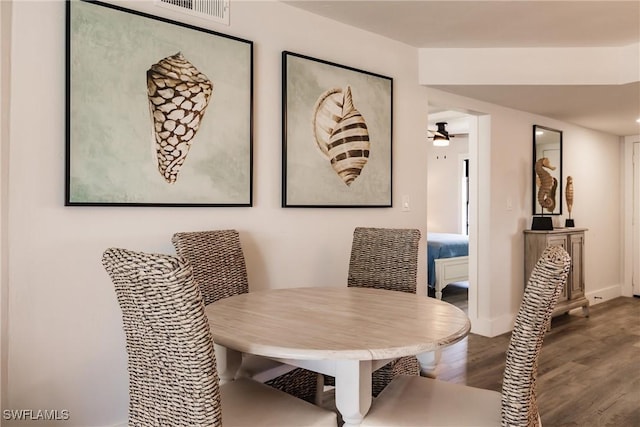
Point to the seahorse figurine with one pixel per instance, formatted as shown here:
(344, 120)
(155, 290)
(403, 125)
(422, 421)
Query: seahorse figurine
(569, 194)
(548, 184)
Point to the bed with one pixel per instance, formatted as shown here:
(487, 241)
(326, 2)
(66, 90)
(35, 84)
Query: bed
(447, 260)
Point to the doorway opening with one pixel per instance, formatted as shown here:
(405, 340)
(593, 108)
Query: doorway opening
(464, 186)
(478, 133)
(448, 198)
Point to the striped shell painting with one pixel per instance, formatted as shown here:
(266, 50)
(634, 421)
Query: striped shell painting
(341, 133)
(178, 97)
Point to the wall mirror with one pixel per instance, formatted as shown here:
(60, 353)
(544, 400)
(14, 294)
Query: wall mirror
(547, 171)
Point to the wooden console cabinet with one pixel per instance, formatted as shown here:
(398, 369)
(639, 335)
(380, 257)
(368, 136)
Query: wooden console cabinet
(572, 240)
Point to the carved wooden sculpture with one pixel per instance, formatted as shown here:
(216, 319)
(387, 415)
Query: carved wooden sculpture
(569, 194)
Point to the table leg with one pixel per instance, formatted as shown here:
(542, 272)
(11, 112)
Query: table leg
(319, 389)
(228, 362)
(429, 362)
(353, 390)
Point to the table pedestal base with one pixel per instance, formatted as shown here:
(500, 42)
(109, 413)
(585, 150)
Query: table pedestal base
(353, 390)
(429, 362)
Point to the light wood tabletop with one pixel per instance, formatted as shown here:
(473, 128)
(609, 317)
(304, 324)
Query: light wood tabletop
(344, 332)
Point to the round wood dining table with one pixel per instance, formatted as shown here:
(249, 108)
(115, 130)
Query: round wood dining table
(343, 332)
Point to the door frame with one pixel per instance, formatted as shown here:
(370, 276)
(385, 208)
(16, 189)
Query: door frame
(635, 228)
(627, 229)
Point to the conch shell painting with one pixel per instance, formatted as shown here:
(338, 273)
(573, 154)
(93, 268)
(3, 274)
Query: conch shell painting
(548, 184)
(341, 133)
(178, 98)
(569, 194)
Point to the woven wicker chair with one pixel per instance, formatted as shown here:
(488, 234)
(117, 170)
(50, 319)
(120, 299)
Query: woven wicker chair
(220, 271)
(412, 401)
(173, 379)
(385, 258)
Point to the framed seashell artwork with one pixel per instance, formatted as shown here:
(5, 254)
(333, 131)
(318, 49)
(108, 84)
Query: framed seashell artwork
(336, 127)
(149, 117)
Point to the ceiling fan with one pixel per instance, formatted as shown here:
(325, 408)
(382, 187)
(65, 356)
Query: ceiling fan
(440, 136)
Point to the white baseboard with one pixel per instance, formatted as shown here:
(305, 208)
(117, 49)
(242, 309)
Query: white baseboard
(503, 324)
(604, 294)
(493, 327)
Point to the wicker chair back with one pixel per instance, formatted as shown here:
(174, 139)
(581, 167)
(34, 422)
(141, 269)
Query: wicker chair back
(384, 258)
(220, 271)
(217, 260)
(173, 379)
(519, 405)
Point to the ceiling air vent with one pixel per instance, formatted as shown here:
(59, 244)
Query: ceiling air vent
(214, 10)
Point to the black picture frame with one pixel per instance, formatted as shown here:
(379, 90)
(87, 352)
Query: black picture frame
(158, 112)
(337, 128)
(547, 142)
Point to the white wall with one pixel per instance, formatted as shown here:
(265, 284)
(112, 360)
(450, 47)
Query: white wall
(5, 32)
(444, 173)
(591, 157)
(65, 341)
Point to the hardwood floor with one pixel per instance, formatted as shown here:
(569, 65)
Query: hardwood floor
(457, 294)
(589, 368)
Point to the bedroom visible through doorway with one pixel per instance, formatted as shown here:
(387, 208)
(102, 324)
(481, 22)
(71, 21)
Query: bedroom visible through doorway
(448, 195)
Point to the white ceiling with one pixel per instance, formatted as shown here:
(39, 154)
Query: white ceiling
(513, 23)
